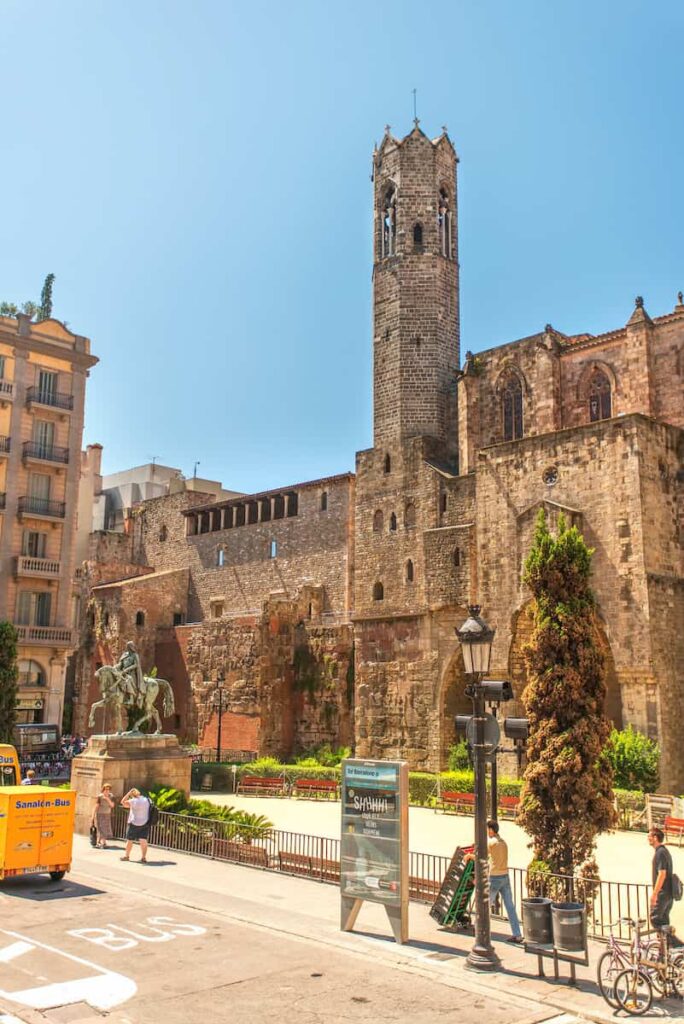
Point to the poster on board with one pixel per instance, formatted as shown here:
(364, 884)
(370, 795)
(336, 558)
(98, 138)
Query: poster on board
(374, 840)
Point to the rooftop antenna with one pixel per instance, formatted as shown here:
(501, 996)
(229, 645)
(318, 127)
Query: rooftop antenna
(416, 120)
(154, 460)
(194, 472)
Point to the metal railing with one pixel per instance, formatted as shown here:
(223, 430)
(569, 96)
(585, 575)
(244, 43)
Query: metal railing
(4, 445)
(3, 499)
(318, 858)
(43, 396)
(46, 452)
(42, 507)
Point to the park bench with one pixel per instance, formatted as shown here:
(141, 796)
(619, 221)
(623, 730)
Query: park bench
(508, 806)
(241, 853)
(464, 802)
(262, 785)
(315, 788)
(426, 890)
(311, 867)
(674, 826)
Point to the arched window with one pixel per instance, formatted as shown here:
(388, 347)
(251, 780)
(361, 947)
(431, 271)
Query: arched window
(409, 571)
(378, 592)
(457, 557)
(31, 673)
(378, 521)
(163, 533)
(443, 503)
(600, 404)
(410, 516)
(388, 464)
(220, 557)
(444, 221)
(393, 523)
(389, 222)
(418, 237)
(140, 618)
(324, 501)
(512, 409)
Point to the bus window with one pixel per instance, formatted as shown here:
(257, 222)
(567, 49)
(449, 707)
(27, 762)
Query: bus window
(8, 775)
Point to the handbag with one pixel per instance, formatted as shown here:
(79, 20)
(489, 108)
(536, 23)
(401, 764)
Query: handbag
(93, 835)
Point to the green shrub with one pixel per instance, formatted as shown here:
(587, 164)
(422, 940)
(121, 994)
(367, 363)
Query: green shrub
(635, 760)
(221, 775)
(168, 799)
(631, 809)
(266, 766)
(459, 759)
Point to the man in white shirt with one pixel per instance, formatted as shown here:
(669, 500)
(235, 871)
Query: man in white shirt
(138, 822)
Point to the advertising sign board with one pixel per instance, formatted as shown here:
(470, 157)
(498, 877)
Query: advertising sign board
(374, 841)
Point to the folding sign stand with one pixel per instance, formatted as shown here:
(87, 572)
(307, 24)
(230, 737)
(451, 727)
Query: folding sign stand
(374, 842)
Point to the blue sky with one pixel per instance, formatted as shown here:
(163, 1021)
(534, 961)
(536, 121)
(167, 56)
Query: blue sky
(197, 177)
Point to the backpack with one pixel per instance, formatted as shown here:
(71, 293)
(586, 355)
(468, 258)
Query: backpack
(677, 887)
(153, 816)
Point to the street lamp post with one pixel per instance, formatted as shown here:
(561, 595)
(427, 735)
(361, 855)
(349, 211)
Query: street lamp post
(476, 640)
(218, 693)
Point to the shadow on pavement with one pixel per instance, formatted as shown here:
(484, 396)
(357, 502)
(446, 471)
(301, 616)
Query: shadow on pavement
(43, 889)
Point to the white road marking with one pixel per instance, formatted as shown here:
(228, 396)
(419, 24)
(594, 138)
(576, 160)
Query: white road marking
(8, 1018)
(16, 949)
(102, 989)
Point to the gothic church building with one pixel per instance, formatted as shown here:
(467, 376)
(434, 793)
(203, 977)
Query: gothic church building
(329, 607)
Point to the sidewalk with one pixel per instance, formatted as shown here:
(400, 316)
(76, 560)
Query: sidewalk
(310, 912)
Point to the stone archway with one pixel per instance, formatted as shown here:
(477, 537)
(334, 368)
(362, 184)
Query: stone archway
(452, 702)
(517, 671)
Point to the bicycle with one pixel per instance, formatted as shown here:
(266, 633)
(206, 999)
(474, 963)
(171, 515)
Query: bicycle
(619, 958)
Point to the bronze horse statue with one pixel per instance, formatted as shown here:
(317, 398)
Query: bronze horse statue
(117, 693)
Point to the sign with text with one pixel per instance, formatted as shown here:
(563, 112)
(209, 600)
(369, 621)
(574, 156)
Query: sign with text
(374, 841)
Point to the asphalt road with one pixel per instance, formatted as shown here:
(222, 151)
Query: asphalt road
(80, 950)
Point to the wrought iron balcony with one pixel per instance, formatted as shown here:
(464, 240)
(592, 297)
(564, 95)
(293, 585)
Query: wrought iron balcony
(3, 501)
(28, 566)
(4, 445)
(41, 507)
(45, 452)
(46, 636)
(43, 396)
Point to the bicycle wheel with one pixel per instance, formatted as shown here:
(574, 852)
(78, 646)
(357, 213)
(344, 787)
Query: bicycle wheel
(607, 970)
(633, 992)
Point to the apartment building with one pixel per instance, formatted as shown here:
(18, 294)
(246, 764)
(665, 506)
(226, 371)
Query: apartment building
(43, 371)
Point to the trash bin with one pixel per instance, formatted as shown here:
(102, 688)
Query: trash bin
(536, 911)
(569, 926)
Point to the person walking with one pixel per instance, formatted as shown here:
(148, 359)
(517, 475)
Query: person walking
(499, 882)
(102, 816)
(662, 898)
(138, 823)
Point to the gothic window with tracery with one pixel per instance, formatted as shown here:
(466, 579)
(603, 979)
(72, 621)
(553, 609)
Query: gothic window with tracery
(512, 409)
(444, 221)
(389, 223)
(600, 405)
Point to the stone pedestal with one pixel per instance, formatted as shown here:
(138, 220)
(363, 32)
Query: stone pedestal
(126, 761)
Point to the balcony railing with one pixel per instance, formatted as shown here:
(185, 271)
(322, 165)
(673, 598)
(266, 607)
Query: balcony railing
(42, 507)
(4, 445)
(3, 501)
(51, 636)
(6, 390)
(43, 396)
(45, 452)
(28, 566)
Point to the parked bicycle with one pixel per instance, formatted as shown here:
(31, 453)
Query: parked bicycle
(629, 974)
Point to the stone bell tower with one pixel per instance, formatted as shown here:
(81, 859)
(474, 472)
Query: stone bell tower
(415, 289)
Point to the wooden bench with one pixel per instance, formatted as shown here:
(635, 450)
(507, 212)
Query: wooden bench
(262, 785)
(459, 801)
(241, 853)
(508, 805)
(424, 890)
(315, 788)
(674, 826)
(311, 867)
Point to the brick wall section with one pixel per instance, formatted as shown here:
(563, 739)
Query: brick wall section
(314, 546)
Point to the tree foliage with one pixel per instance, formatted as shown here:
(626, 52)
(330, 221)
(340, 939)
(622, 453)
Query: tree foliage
(40, 310)
(635, 760)
(8, 681)
(566, 799)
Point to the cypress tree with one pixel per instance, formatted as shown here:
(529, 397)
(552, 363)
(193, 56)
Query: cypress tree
(8, 681)
(566, 799)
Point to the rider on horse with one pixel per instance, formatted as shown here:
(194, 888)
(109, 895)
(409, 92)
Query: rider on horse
(130, 672)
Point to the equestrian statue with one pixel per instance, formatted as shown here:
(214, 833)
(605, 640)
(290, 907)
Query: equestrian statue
(123, 685)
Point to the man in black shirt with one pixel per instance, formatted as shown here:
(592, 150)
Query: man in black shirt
(661, 900)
